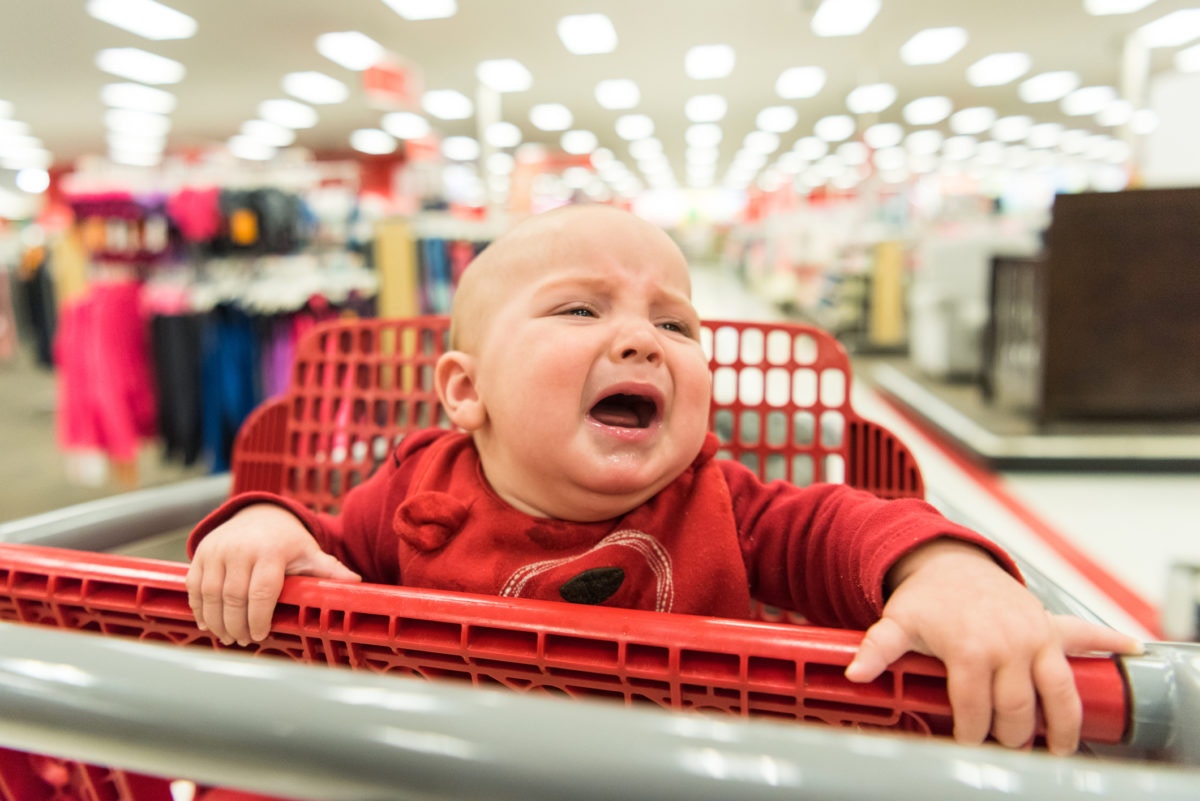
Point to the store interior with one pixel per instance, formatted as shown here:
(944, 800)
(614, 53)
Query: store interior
(994, 207)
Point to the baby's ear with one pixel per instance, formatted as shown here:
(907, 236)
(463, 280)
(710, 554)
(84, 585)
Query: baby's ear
(454, 376)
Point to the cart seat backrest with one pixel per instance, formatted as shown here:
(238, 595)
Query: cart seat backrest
(781, 406)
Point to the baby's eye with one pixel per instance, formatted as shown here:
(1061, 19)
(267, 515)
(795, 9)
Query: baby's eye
(578, 311)
(675, 327)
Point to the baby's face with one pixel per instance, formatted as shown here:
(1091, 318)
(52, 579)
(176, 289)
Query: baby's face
(595, 385)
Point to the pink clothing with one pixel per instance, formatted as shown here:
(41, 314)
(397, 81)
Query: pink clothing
(707, 544)
(106, 397)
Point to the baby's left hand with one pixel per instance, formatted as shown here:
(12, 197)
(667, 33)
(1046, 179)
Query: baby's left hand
(1004, 653)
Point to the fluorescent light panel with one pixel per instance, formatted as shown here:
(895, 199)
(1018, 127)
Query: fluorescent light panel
(1175, 29)
(705, 108)
(871, 98)
(998, 69)
(350, 49)
(405, 125)
(288, 113)
(844, 17)
(423, 9)
(587, 34)
(928, 110)
(705, 62)
(138, 97)
(933, 46)
(504, 75)
(145, 18)
(372, 141)
(140, 65)
(1101, 8)
(447, 104)
(315, 87)
(799, 83)
(777, 119)
(1048, 87)
(618, 93)
(551, 117)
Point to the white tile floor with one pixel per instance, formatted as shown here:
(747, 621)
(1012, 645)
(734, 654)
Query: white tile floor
(1120, 532)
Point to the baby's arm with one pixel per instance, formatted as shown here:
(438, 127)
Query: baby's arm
(1005, 655)
(238, 568)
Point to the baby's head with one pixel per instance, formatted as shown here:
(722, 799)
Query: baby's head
(576, 363)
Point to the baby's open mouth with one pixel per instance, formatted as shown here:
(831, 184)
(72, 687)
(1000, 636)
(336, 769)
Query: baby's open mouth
(625, 411)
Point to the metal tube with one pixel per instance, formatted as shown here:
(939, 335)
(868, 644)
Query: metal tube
(121, 519)
(303, 731)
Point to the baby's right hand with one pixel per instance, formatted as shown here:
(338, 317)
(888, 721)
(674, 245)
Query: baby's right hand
(237, 571)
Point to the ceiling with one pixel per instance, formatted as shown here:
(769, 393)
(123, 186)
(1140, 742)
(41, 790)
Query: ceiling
(243, 48)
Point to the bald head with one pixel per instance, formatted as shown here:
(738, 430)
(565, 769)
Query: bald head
(539, 244)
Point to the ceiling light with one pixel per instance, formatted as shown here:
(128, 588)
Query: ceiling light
(844, 17)
(928, 110)
(138, 97)
(1176, 28)
(1102, 7)
(288, 113)
(1048, 87)
(811, 148)
(702, 155)
(834, 128)
(503, 134)
(972, 120)
(243, 147)
(585, 34)
(1188, 60)
(351, 49)
(777, 119)
(705, 108)
(405, 125)
(890, 158)
(959, 148)
(761, 142)
(269, 133)
(578, 142)
(136, 122)
(34, 181)
(501, 163)
(1012, 129)
(30, 157)
(871, 98)
(705, 134)
(1044, 135)
(709, 61)
(798, 83)
(649, 147)
(504, 75)
(138, 65)
(1073, 142)
(1088, 100)
(885, 134)
(933, 46)
(618, 93)
(146, 18)
(372, 141)
(460, 148)
(315, 87)
(998, 69)
(924, 142)
(447, 104)
(423, 9)
(1118, 112)
(551, 117)
(634, 126)
(852, 153)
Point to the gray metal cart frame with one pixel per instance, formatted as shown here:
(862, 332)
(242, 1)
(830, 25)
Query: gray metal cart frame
(320, 733)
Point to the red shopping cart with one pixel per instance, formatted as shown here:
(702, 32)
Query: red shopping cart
(781, 405)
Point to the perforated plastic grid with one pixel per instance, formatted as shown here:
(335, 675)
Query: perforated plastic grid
(781, 405)
(632, 656)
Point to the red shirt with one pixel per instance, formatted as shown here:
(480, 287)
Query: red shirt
(708, 543)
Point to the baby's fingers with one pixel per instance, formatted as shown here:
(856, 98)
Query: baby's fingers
(1061, 705)
(883, 644)
(1079, 636)
(266, 583)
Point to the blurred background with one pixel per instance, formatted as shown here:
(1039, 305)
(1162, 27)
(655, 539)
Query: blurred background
(994, 206)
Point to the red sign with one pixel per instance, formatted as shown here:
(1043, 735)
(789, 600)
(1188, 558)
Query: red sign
(392, 84)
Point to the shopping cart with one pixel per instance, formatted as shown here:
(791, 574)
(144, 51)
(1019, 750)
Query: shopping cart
(781, 405)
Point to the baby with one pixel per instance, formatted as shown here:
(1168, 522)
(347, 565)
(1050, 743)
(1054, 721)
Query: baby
(582, 470)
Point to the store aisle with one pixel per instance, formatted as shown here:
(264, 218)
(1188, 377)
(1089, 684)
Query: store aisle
(1109, 539)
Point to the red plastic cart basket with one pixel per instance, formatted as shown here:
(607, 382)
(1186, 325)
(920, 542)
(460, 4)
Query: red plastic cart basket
(781, 405)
